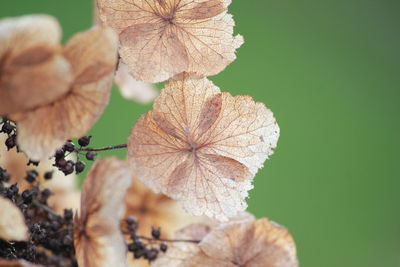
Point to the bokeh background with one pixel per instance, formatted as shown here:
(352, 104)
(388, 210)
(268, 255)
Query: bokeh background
(330, 71)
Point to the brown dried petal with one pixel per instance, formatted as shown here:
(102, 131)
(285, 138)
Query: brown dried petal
(178, 252)
(43, 130)
(163, 38)
(200, 10)
(27, 87)
(32, 71)
(17, 263)
(252, 243)
(133, 89)
(92, 53)
(97, 235)
(12, 222)
(202, 147)
(17, 35)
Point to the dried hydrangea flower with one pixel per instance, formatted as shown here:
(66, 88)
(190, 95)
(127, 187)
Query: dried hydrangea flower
(202, 147)
(33, 71)
(97, 236)
(161, 38)
(93, 56)
(250, 243)
(133, 89)
(12, 222)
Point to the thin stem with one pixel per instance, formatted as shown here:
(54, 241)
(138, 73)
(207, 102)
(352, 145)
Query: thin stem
(103, 148)
(44, 207)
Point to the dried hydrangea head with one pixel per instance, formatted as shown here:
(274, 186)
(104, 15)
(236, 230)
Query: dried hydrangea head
(93, 56)
(250, 243)
(97, 235)
(33, 71)
(202, 147)
(161, 38)
(12, 222)
(133, 89)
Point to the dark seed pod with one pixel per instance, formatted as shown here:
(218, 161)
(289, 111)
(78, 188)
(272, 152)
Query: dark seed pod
(69, 146)
(79, 167)
(90, 155)
(48, 175)
(11, 141)
(7, 128)
(155, 232)
(163, 247)
(84, 141)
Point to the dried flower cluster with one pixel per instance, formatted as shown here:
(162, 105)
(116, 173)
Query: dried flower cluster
(179, 198)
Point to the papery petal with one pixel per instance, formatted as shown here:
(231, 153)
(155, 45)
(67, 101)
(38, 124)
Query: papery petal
(179, 252)
(133, 89)
(202, 147)
(12, 222)
(160, 39)
(93, 54)
(153, 51)
(250, 243)
(32, 71)
(42, 131)
(97, 235)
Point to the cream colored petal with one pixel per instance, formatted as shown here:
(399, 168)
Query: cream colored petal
(251, 243)
(24, 87)
(62, 200)
(31, 69)
(209, 43)
(134, 89)
(120, 14)
(97, 235)
(160, 39)
(93, 54)
(189, 9)
(179, 252)
(12, 222)
(183, 101)
(202, 147)
(46, 129)
(20, 33)
(153, 51)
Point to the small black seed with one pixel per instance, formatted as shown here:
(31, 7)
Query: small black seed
(7, 128)
(90, 155)
(48, 175)
(163, 247)
(33, 162)
(11, 141)
(151, 254)
(84, 141)
(59, 153)
(69, 146)
(79, 167)
(155, 232)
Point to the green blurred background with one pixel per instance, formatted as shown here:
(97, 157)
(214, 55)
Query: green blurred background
(330, 71)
